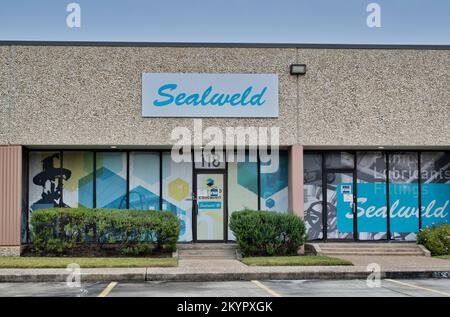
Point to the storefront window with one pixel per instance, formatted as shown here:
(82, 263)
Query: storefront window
(111, 175)
(177, 193)
(274, 185)
(339, 206)
(242, 186)
(404, 195)
(371, 196)
(44, 184)
(339, 160)
(78, 189)
(435, 188)
(313, 197)
(45, 180)
(144, 181)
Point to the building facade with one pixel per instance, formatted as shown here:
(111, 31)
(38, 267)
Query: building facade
(364, 139)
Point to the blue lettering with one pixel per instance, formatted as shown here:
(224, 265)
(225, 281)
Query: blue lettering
(256, 99)
(207, 97)
(193, 100)
(234, 100)
(161, 92)
(179, 100)
(245, 95)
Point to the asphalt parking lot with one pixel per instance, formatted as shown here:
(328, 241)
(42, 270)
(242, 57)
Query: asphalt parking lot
(271, 288)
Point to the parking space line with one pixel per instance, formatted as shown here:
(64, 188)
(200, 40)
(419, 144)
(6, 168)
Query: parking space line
(419, 287)
(107, 289)
(264, 287)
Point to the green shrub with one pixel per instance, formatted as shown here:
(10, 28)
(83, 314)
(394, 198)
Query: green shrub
(436, 239)
(267, 232)
(57, 230)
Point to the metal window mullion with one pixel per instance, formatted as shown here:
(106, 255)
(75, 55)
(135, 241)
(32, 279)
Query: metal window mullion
(94, 180)
(160, 180)
(324, 199)
(61, 185)
(28, 239)
(128, 181)
(258, 171)
(388, 207)
(355, 197)
(419, 168)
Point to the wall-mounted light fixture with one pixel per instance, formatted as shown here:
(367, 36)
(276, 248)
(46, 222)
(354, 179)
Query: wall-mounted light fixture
(298, 69)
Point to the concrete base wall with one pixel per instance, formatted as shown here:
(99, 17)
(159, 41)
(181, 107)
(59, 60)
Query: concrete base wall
(10, 251)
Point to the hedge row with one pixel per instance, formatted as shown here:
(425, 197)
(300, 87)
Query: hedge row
(436, 239)
(267, 232)
(57, 230)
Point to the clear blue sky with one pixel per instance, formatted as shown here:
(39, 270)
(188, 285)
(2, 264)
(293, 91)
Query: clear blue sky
(416, 22)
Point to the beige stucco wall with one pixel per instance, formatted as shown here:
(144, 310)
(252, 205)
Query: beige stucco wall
(375, 97)
(79, 95)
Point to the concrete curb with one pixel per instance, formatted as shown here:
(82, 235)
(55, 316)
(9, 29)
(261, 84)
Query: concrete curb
(210, 277)
(26, 278)
(425, 251)
(227, 276)
(61, 275)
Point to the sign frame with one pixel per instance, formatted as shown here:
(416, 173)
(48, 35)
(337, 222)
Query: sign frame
(210, 95)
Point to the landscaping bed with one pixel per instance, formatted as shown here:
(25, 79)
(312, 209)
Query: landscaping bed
(304, 260)
(63, 262)
(97, 232)
(436, 238)
(267, 233)
(97, 250)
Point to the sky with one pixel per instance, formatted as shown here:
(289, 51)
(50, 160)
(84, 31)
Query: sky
(403, 22)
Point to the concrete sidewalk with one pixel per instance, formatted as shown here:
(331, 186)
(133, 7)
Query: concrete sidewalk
(229, 270)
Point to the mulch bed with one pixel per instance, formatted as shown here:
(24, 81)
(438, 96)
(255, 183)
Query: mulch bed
(95, 250)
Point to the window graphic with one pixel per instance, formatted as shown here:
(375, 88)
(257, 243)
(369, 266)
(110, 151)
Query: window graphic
(78, 190)
(111, 180)
(45, 183)
(435, 188)
(177, 193)
(274, 186)
(339, 205)
(404, 195)
(313, 197)
(144, 181)
(339, 160)
(371, 195)
(242, 187)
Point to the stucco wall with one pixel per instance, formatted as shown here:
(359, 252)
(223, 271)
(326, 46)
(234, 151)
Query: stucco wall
(62, 95)
(375, 97)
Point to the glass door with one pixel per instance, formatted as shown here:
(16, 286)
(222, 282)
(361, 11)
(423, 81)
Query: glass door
(341, 208)
(209, 206)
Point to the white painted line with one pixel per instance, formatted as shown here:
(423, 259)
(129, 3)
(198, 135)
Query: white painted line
(264, 287)
(107, 289)
(419, 287)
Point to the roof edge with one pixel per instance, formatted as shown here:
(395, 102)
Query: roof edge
(225, 45)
